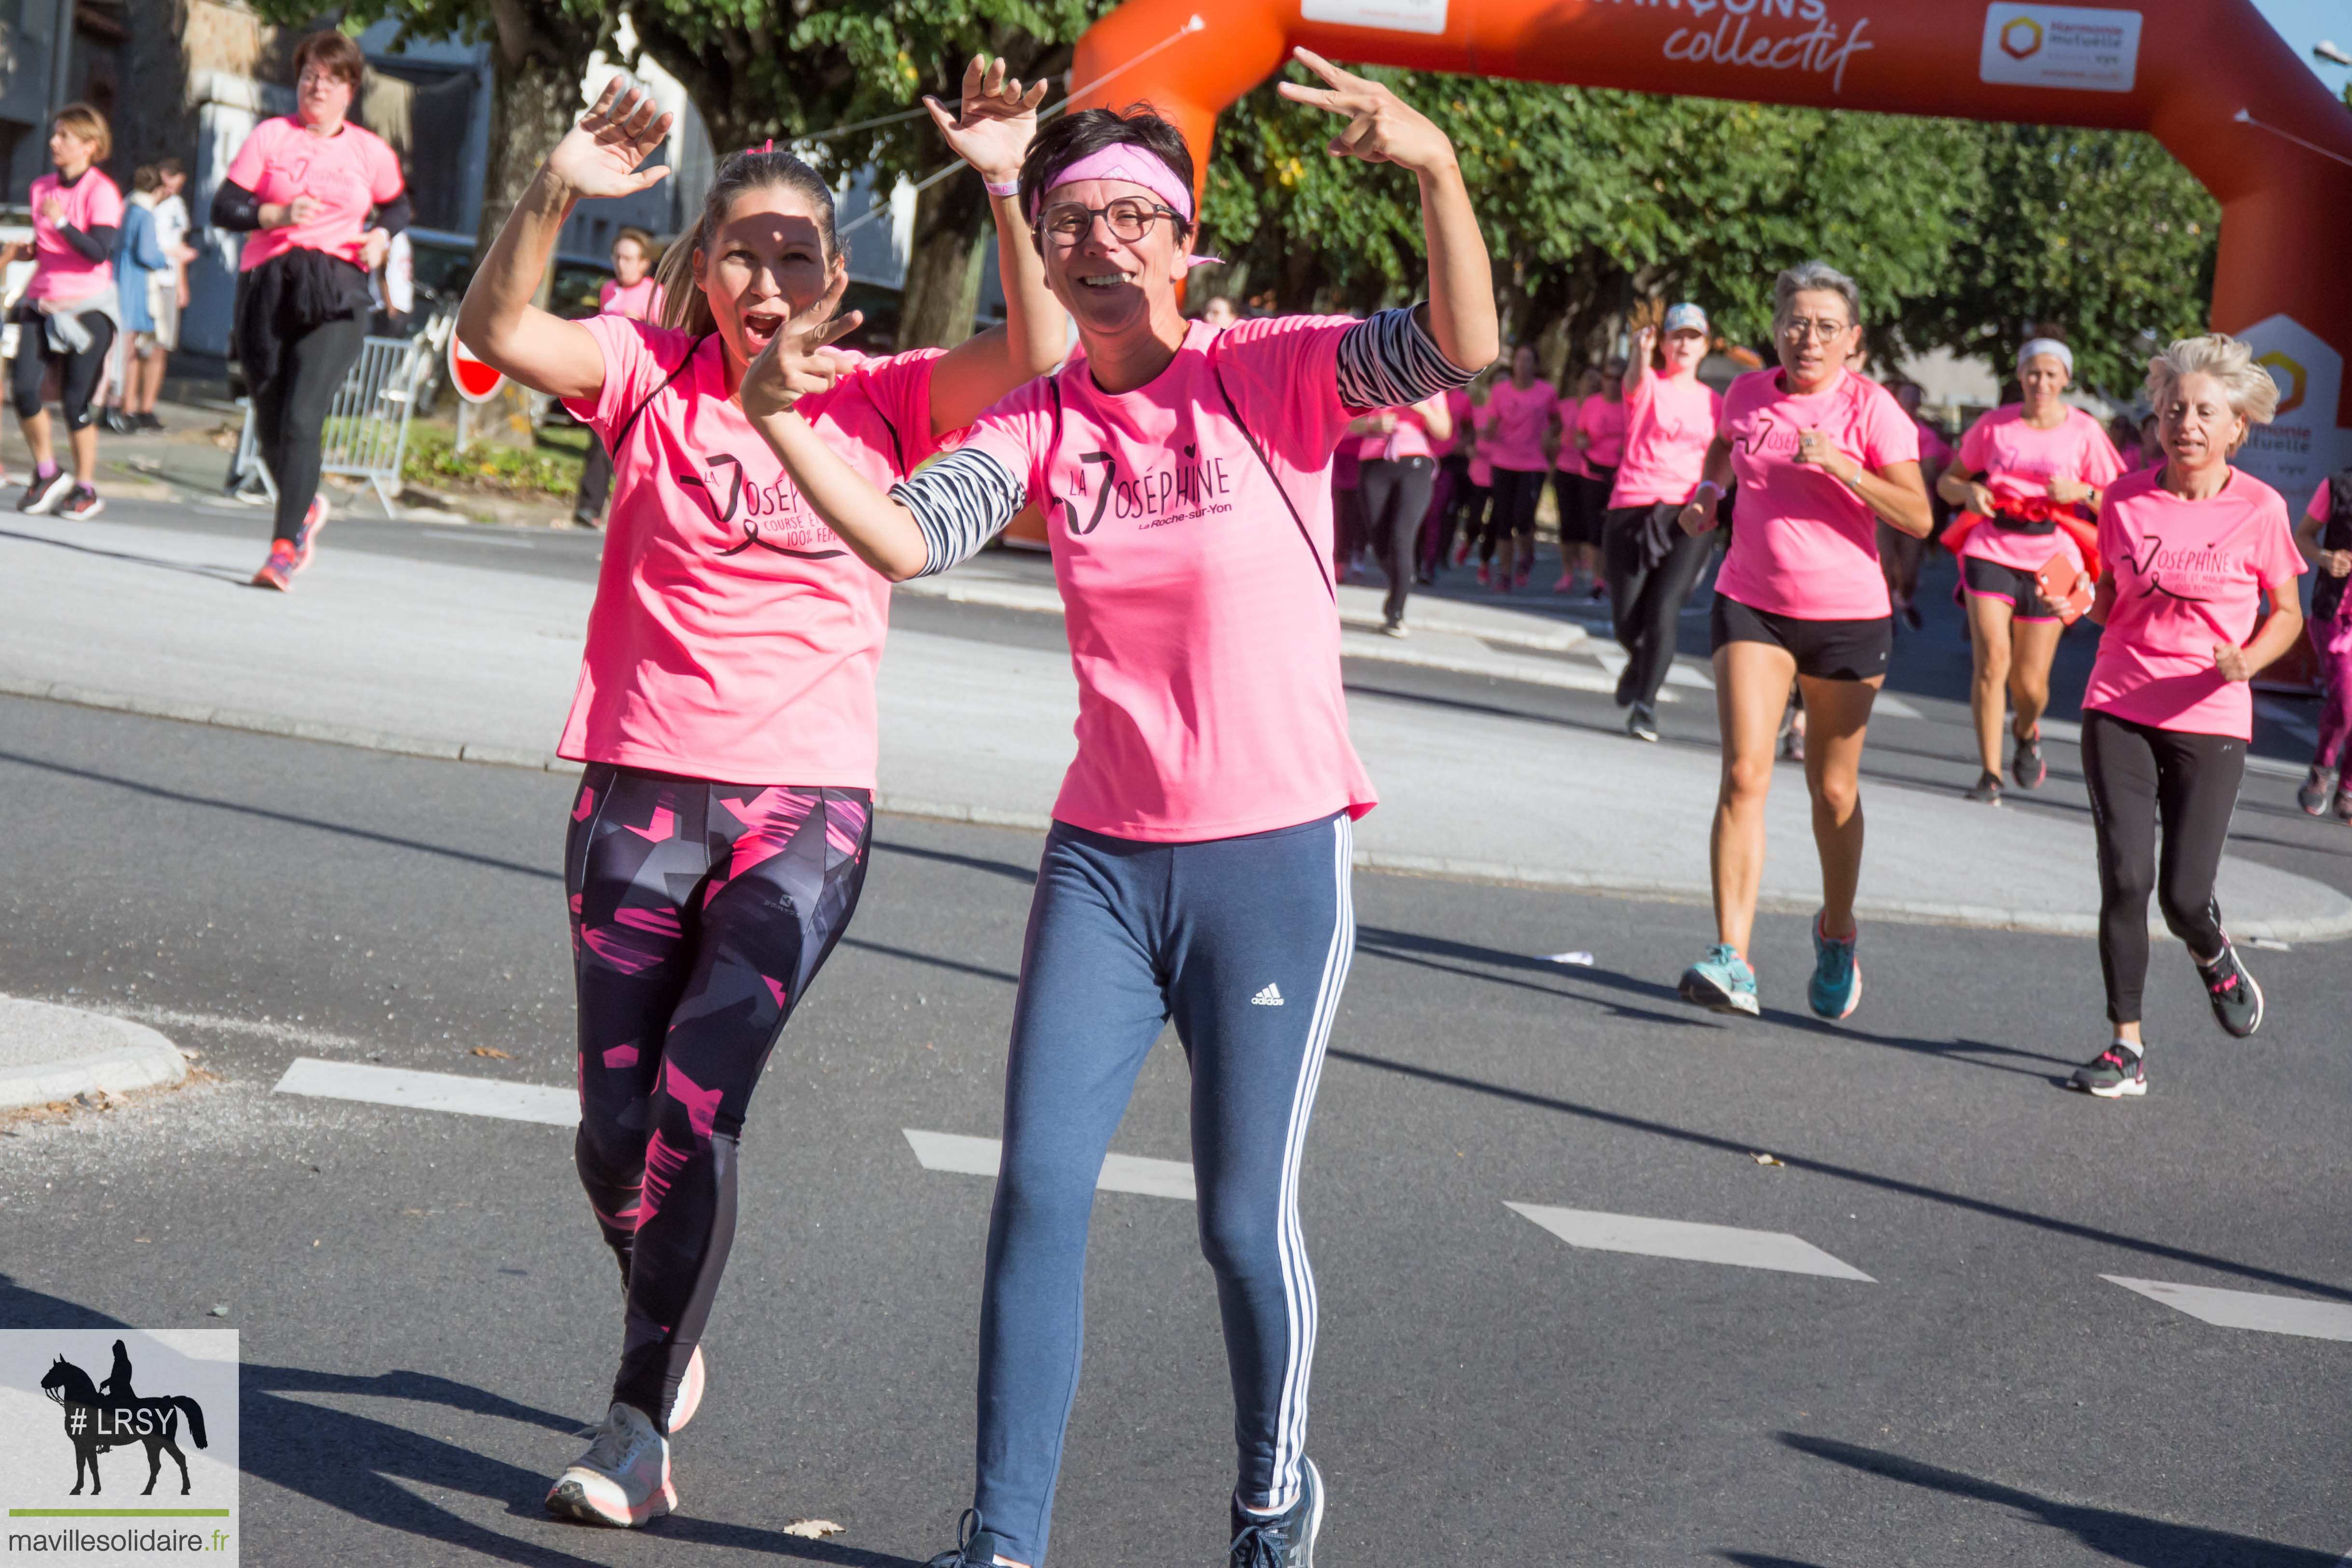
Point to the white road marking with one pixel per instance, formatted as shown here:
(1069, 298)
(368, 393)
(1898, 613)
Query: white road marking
(1886, 702)
(966, 1156)
(2267, 1314)
(283, 1033)
(1693, 1243)
(431, 1091)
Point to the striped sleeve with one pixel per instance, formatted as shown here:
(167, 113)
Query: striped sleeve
(1390, 361)
(960, 502)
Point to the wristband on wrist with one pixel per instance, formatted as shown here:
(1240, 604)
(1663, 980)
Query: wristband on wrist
(1710, 487)
(1005, 188)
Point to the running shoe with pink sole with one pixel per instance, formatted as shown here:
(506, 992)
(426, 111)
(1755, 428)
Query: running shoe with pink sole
(623, 1480)
(277, 572)
(305, 539)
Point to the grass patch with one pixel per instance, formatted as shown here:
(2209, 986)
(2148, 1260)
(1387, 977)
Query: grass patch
(554, 470)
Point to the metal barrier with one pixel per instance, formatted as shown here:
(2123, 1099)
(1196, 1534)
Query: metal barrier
(366, 435)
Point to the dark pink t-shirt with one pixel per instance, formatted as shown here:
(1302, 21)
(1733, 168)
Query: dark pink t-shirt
(1202, 623)
(350, 172)
(2019, 462)
(1603, 420)
(1802, 544)
(1519, 418)
(2190, 575)
(1669, 426)
(733, 637)
(1570, 461)
(60, 271)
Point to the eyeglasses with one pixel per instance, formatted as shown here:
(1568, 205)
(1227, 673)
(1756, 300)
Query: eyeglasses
(1798, 331)
(1130, 218)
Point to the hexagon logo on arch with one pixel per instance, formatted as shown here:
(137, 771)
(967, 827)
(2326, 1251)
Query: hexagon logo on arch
(2303, 444)
(2021, 38)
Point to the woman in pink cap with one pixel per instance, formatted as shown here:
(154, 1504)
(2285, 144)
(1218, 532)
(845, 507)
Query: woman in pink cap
(1198, 867)
(1821, 456)
(2019, 468)
(726, 710)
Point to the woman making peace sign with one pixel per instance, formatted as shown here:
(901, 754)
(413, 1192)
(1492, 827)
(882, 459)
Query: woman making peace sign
(1198, 867)
(732, 639)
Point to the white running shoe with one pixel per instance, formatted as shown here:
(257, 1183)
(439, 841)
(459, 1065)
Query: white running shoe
(623, 1478)
(689, 1398)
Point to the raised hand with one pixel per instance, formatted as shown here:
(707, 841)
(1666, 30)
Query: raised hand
(599, 155)
(996, 121)
(1382, 127)
(799, 359)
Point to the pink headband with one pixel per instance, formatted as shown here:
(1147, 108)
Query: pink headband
(1135, 165)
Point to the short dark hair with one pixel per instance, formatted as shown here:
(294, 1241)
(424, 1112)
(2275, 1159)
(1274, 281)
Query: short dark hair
(332, 52)
(167, 168)
(1088, 131)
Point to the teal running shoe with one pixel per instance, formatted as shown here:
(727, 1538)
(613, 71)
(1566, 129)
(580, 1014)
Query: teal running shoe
(1836, 989)
(1721, 981)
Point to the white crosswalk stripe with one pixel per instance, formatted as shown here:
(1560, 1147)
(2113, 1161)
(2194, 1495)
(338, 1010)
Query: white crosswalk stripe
(414, 1090)
(967, 1156)
(2264, 1314)
(1693, 1243)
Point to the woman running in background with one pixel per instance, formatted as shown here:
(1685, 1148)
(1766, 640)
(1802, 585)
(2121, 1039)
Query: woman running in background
(1671, 419)
(300, 190)
(69, 315)
(1198, 867)
(726, 707)
(1518, 421)
(2324, 537)
(1898, 553)
(1578, 527)
(2015, 467)
(1395, 471)
(1821, 454)
(630, 292)
(2192, 552)
(1600, 437)
(1452, 483)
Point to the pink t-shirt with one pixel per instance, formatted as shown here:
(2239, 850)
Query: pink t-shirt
(2019, 462)
(1801, 543)
(1517, 418)
(60, 271)
(1410, 438)
(1457, 404)
(2190, 575)
(1669, 425)
(1482, 469)
(640, 301)
(1603, 420)
(1934, 452)
(1570, 461)
(2320, 506)
(348, 171)
(733, 638)
(1202, 623)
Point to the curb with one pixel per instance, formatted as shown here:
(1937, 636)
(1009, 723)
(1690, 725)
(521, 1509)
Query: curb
(142, 1059)
(1980, 917)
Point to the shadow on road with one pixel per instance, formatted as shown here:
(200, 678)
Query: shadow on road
(366, 1468)
(2111, 1532)
(234, 576)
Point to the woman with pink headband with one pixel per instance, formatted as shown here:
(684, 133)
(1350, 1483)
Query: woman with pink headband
(1198, 869)
(726, 708)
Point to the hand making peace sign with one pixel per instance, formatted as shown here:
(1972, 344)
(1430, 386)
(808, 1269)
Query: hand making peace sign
(996, 123)
(599, 156)
(799, 359)
(1382, 127)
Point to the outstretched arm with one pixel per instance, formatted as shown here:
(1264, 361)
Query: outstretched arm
(992, 132)
(598, 157)
(1384, 129)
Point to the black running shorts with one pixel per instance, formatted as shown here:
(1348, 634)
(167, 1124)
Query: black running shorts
(1824, 650)
(2018, 587)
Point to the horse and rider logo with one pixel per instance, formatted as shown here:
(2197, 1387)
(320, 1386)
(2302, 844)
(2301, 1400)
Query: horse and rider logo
(99, 1417)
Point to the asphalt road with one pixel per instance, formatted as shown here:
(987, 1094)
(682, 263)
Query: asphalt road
(428, 1317)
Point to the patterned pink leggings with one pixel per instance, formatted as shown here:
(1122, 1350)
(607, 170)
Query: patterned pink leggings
(2333, 639)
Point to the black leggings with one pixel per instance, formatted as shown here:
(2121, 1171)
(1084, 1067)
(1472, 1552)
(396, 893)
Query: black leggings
(2139, 775)
(700, 912)
(290, 408)
(78, 373)
(1645, 601)
(1517, 491)
(595, 481)
(1396, 498)
(1466, 510)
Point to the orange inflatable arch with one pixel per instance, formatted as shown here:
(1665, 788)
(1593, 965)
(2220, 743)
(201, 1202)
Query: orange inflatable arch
(2210, 79)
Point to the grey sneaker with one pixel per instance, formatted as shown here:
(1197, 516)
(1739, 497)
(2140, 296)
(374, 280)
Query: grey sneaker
(623, 1478)
(2118, 1072)
(977, 1546)
(2316, 791)
(1642, 723)
(2237, 1000)
(1282, 1540)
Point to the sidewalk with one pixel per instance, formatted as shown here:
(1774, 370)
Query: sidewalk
(480, 660)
